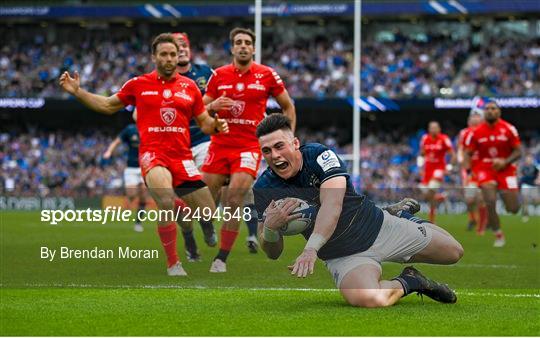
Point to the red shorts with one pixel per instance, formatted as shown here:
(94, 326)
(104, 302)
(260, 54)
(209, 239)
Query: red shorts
(433, 172)
(225, 160)
(505, 179)
(182, 170)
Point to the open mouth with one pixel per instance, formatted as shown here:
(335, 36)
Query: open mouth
(281, 165)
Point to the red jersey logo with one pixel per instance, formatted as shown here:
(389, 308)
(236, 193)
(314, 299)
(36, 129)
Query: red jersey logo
(168, 115)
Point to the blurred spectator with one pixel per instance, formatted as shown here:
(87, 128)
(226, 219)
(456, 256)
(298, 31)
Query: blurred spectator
(312, 65)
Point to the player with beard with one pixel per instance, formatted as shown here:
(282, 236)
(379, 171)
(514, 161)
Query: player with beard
(499, 147)
(350, 234)
(236, 156)
(165, 102)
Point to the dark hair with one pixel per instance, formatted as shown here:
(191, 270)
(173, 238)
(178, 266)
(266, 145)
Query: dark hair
(273, 122)
(163, 38)
(491, 100)
(239, 30)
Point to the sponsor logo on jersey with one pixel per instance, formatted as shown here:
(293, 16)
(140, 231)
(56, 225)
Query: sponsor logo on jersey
(238, 108)
(328, 160)
(241, 121)
(167, 93)
(249, 160)
(149, 92)
(257, 86)
(184, 96)
(223, 87)
(259, 75)
(168, 115)
(240, 86)
(167, 129)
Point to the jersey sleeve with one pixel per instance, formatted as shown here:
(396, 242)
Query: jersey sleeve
(126, 94)
(470, 141)
(514, 136)
(276, 83)
(423, 142)
(327, 164)
(447, 143)
(211, 86)
(198, 105)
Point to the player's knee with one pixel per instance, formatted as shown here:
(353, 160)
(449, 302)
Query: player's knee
(368, 299)
(165, 202)
(513, 209)
(456, 252)
(235, 199)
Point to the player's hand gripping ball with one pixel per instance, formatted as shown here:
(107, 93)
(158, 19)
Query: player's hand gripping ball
(307, 214)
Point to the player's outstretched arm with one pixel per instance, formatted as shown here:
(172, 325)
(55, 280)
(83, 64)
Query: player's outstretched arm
(287, 106)
(332, 193)
(211, 125)
(101, 104)
(108, 153)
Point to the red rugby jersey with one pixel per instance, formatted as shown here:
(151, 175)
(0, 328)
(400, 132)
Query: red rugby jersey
(435, 148)
(250, 91)
(164, 109)
(497, 141)
(461, 141)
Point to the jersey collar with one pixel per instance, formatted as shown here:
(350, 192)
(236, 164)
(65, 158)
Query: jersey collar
(154, 75)
(237, 71)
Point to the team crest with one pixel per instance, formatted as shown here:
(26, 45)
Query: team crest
(201, 82)
(168, 115)
(238, 108)
(167, 93)
(240, 86)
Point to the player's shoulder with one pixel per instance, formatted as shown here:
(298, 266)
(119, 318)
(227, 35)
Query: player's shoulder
(223, 70)
(507, 125)
(185, 81)
(312, 150)
(260, 68)
(132, 127)
(424, 138)
(202, 68)
(267, 179)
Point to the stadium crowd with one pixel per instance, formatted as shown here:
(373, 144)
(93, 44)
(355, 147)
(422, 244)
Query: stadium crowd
(39, 163)
(311, 67)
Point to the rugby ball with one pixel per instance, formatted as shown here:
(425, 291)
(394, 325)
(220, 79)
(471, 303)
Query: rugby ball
(307, 218)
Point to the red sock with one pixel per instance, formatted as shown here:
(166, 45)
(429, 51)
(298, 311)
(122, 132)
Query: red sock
(482, 211)
(167, 235)
(499, 234)
(227, 239)
(179, 203)
(432, 215)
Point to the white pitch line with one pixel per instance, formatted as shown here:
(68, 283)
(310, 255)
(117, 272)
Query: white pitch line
(234, 288)
(494, 266)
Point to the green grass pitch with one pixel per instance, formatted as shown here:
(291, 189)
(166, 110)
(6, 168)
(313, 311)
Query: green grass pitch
(498, 289)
